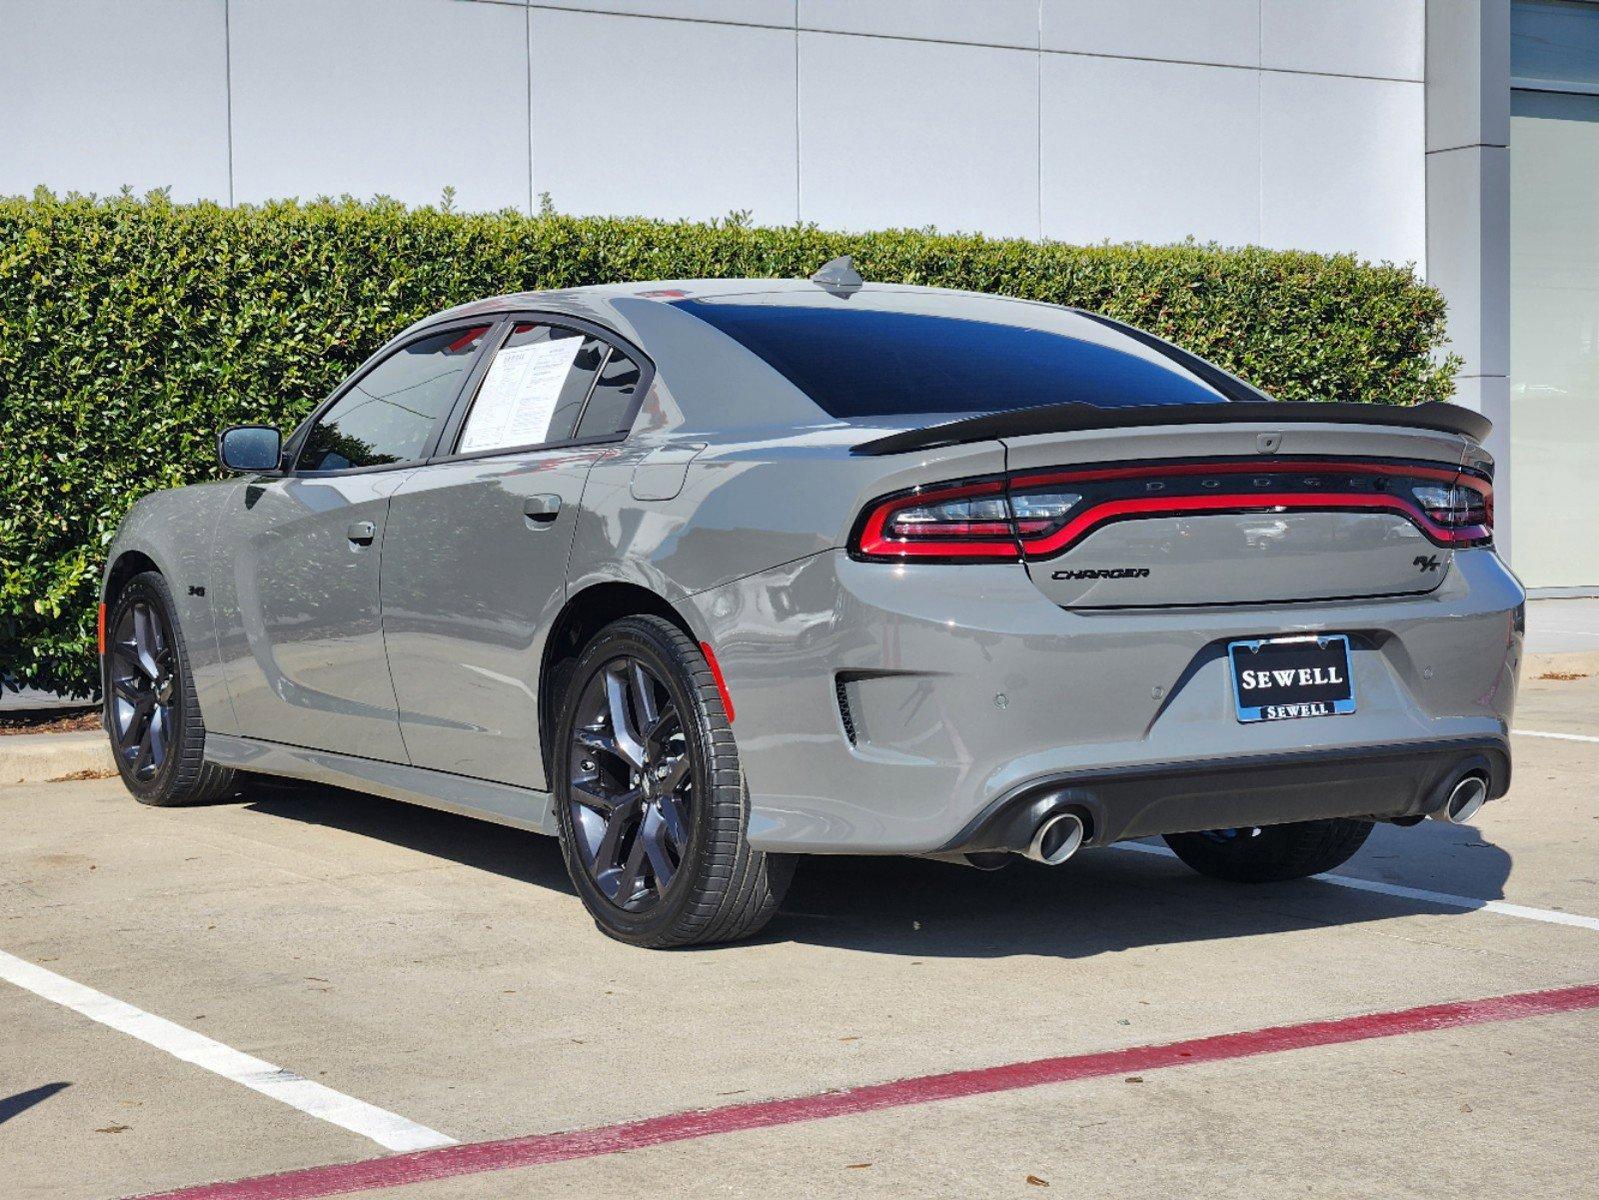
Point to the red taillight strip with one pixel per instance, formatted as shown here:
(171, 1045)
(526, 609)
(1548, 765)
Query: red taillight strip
(873, 543)
(99, 629)
(1109, 511)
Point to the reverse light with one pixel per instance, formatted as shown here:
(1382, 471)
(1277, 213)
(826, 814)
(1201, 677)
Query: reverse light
(1040, 513)
(1465, 506)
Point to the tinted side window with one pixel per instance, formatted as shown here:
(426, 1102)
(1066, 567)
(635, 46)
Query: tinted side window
(533, 390)
(611, 405)
(389, 413)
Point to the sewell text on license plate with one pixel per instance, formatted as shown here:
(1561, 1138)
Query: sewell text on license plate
(1281, 679)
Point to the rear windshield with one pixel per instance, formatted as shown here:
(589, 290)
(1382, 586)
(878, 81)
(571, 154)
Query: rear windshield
(863, 362)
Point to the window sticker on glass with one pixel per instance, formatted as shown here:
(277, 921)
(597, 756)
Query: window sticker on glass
(519, 395)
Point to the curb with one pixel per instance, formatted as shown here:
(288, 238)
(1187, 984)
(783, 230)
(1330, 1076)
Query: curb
(54, 757)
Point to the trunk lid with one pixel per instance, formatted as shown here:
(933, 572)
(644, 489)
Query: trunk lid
(1243, 513)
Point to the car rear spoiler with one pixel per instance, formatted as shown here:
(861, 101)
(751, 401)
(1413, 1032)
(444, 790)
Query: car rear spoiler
(1066, 418)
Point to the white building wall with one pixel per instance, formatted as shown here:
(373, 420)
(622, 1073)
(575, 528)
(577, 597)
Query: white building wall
(1292, 123)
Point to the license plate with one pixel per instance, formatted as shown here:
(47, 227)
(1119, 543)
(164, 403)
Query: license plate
(1283, 679)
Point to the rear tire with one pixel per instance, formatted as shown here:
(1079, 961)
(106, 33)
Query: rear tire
(657, 848)
(1271, 853)
(151, 712)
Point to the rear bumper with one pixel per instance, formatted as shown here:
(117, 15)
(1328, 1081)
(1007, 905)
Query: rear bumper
(888, 708)
(1385, 782)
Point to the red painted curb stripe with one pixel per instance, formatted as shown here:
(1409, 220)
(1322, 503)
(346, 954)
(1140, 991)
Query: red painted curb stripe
(536, 1149)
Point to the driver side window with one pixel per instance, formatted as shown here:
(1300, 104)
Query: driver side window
(389, 413)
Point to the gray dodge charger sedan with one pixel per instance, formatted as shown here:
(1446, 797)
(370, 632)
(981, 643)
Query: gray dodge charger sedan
(702, 576)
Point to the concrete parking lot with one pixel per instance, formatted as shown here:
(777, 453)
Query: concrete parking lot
(440, 982)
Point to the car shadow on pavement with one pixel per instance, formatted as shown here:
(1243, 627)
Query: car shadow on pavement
(513, 853)
(1106, 900)
(1102, 901)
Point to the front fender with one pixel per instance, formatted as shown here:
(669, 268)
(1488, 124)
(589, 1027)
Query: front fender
(176, 531)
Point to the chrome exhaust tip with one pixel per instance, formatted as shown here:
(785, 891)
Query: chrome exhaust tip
(1465, 798)
(1056, 839)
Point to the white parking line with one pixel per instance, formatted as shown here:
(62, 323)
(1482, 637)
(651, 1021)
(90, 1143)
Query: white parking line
(1470, 903)
(385, 1128)
(1563, 737)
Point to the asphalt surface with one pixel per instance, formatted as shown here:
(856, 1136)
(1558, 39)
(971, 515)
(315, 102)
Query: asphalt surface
(441, 972)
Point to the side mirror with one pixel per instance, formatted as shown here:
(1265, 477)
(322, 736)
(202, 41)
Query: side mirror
(250, 448)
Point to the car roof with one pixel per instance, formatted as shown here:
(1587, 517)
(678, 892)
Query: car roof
(599, 302)
(657, 316)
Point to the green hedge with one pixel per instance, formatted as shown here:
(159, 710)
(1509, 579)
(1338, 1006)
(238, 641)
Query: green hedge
(130, 330)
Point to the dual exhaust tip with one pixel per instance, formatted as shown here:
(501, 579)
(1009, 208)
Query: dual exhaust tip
(1465, 798)
(1058, 837)
(1061, 834)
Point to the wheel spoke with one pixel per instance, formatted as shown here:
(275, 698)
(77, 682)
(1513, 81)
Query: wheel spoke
(133, 732)
(627, 877)
(128, 654)
(608, 852)
(676, 773)
(158, 735)
(652, 835)
(643, 696)
(655, 734)
(591, 795)
(597, 741)
(124, 688)
(144, 639)
(142, 751)
(672, 821)
(627, 739)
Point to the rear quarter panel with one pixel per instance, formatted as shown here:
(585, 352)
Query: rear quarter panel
(751, 500)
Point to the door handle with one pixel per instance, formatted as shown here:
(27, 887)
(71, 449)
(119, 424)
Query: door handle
(361, 532)
(542, 509)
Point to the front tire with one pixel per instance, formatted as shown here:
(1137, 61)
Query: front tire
(151, 711)
(650, 797)
(1271, 853)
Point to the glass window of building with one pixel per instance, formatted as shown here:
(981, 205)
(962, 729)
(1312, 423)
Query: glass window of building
(1554, 291)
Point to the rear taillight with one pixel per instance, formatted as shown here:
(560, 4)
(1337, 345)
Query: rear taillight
(1464, 508)
(1040, 515)
(953, 522)
(963, 521)
(973, 521)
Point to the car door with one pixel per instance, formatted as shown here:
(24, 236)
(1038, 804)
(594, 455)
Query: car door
(296, 568)
(474, 562)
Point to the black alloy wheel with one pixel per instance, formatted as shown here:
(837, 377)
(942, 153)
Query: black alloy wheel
(143, 675)
(631, 784)
(152, 713)
(649, 794)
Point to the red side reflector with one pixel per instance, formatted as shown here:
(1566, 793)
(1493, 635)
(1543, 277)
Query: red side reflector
(99, 630)
(716, 674)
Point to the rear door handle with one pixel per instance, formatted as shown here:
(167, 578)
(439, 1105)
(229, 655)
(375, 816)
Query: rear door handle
(542, 509)
(361, 532)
